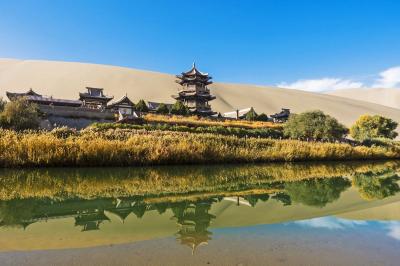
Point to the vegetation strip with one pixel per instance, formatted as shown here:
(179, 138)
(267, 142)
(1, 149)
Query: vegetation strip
(130, 148)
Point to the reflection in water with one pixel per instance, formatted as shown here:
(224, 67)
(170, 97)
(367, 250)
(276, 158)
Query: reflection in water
(188, 199)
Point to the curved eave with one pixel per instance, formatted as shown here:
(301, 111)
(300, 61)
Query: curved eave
(85, 96)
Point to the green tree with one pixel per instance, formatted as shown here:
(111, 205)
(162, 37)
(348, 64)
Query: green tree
(251, 115)
(2, 104)
(142, 107)
(20, 115)
(314, 125)
(179, 109)
(162, 109)
(262, 117)
(369, 127)
(316, 192)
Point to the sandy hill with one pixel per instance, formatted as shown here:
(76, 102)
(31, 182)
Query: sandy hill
(66, 80)
(388, 97)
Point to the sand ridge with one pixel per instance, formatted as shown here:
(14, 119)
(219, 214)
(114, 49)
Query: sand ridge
(67, 79)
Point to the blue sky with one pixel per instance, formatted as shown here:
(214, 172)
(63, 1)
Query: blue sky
(267, 42)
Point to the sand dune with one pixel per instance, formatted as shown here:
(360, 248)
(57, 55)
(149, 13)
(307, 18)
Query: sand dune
(66, 80)
(388, 97)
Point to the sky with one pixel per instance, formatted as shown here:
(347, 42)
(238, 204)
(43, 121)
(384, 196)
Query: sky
(311, 45)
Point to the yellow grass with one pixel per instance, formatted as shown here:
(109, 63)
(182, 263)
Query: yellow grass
(126, 148)
(200, 121)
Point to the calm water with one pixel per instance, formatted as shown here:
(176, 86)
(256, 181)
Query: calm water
(281, 214)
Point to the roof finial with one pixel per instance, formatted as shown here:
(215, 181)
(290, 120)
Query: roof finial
(194, 64)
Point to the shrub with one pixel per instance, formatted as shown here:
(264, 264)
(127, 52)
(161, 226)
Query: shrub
(63, 132)
(142, 107)
(369, 127)
(20, 115)
(251, 115)
(179, 109)
(2, 104)
(314, 125)
(162, 109)
(262, 117)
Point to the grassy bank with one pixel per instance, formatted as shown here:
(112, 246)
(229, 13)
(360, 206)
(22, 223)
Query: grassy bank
(275, 133)
(161, 182)
(195, 121)
(141, 147)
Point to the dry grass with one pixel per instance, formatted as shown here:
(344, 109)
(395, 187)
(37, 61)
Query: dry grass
(128, 148)
(199, 121)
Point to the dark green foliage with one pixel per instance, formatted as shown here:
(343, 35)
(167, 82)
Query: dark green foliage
(20, 115)
(317, 192)
(314, 125)
(284, 198)
(179, 109)
(162, 109)
(368, 127)
(262, 117)
(239, 132)
(373, 186)
(253, 199)
(142, 107)
(2, 104)
(251, 115)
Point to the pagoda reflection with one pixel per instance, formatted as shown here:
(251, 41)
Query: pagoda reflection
(194, 219)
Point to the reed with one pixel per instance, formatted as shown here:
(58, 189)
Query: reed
(134, 148)
(201, 121)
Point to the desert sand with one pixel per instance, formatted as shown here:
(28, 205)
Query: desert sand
(67, 79)
(383, 96)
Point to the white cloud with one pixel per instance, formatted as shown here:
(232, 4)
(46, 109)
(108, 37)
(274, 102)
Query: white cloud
(330, 223)
(394, 230)
(320, 85)
(389, 78)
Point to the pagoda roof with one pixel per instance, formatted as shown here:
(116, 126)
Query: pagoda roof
(194, 72)
(85, 95)
(123, 101)
(194, 95)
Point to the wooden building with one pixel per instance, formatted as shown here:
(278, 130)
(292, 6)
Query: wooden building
(194, 92)
(39, 99)
(282, 116)
(123, 106)
(94, 98)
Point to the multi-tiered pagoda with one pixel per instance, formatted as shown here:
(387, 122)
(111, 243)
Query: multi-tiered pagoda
(194, 92)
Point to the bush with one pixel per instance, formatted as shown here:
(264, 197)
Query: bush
(262, 117)
(179, 109)
(20, 115)
(314, 125)
(162, 109)
(251, 115)
(142, 107)
(369, 127)
(2, 104)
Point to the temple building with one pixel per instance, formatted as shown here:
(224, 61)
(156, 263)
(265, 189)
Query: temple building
(39, 99)
(123, 106)
(94, 98)
(194, 92)
(282, 116)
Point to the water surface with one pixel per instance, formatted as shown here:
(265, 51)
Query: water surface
(278, 214)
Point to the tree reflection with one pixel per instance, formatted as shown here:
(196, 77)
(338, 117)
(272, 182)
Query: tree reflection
(373, 186)
(316, 192)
